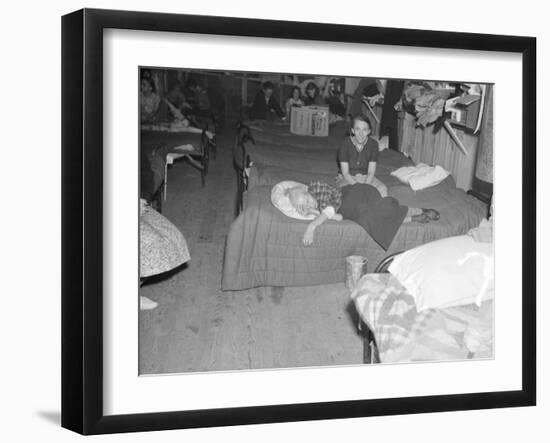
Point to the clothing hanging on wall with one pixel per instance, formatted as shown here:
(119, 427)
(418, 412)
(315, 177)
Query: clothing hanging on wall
(367, 86)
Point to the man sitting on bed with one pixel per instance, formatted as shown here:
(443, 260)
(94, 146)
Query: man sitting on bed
(380, 216)
(266, 106)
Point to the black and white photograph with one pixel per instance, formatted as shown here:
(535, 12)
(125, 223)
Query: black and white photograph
(297, 220)
(275, 221)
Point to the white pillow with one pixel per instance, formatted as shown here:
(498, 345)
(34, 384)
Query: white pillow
(450, 272)
(281, 201)
(421, 176)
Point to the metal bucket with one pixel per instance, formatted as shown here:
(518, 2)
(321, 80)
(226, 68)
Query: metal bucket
(356, 267)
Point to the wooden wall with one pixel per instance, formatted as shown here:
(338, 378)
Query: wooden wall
(424, 145)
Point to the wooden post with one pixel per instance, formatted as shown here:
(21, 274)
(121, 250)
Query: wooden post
(455, 138)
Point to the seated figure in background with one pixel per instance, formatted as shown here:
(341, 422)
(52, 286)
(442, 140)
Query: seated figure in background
(176, 96)
(204, 104)
(336, 98)
(379, 216)
(312, 97)
(294, 100)
(265, 105)
(149, 100)
(199, 100)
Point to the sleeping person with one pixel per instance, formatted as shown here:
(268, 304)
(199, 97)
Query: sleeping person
(379, 216)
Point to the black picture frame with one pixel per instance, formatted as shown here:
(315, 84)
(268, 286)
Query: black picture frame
(82, 219)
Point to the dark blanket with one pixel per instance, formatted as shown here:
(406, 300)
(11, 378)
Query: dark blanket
(278, 134)
(380, 217)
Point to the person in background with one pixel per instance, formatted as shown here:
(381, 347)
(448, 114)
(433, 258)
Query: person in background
(335, 98)
(200, 102)
(149, 100)
(162, 247)
(294, 100)
(312, 97)
(368, 87)
(203, 104)
(265, 105)
(358, 155)
(176, 97)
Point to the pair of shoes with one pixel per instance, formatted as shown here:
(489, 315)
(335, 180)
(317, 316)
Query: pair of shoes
(432, 214)
(146, 303)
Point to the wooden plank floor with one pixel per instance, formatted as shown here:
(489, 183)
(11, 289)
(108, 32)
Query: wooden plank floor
(197, 327)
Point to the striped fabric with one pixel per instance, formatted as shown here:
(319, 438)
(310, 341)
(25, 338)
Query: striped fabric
(404, 334)
(326, 195)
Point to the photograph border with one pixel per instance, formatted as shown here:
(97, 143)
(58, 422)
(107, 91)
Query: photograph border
(82, 220)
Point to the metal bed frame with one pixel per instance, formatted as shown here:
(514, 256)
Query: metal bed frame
(370, 348)
(241, 162)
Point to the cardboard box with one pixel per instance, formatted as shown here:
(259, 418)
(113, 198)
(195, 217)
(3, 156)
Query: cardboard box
(309, 120)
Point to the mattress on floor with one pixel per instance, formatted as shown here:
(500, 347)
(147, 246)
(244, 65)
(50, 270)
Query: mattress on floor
(264, 247)
(403, 334)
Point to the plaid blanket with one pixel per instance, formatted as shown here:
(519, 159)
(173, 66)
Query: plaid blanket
(404, 334)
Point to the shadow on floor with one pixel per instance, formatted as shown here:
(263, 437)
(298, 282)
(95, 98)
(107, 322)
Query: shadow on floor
(164, 276)
(54, 417)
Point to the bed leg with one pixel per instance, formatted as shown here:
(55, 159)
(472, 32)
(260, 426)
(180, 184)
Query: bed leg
(375, 354)
(370, 350)
(367, 350)
(204, 169)
(367, 353)
(214, 148)
(214, 145)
